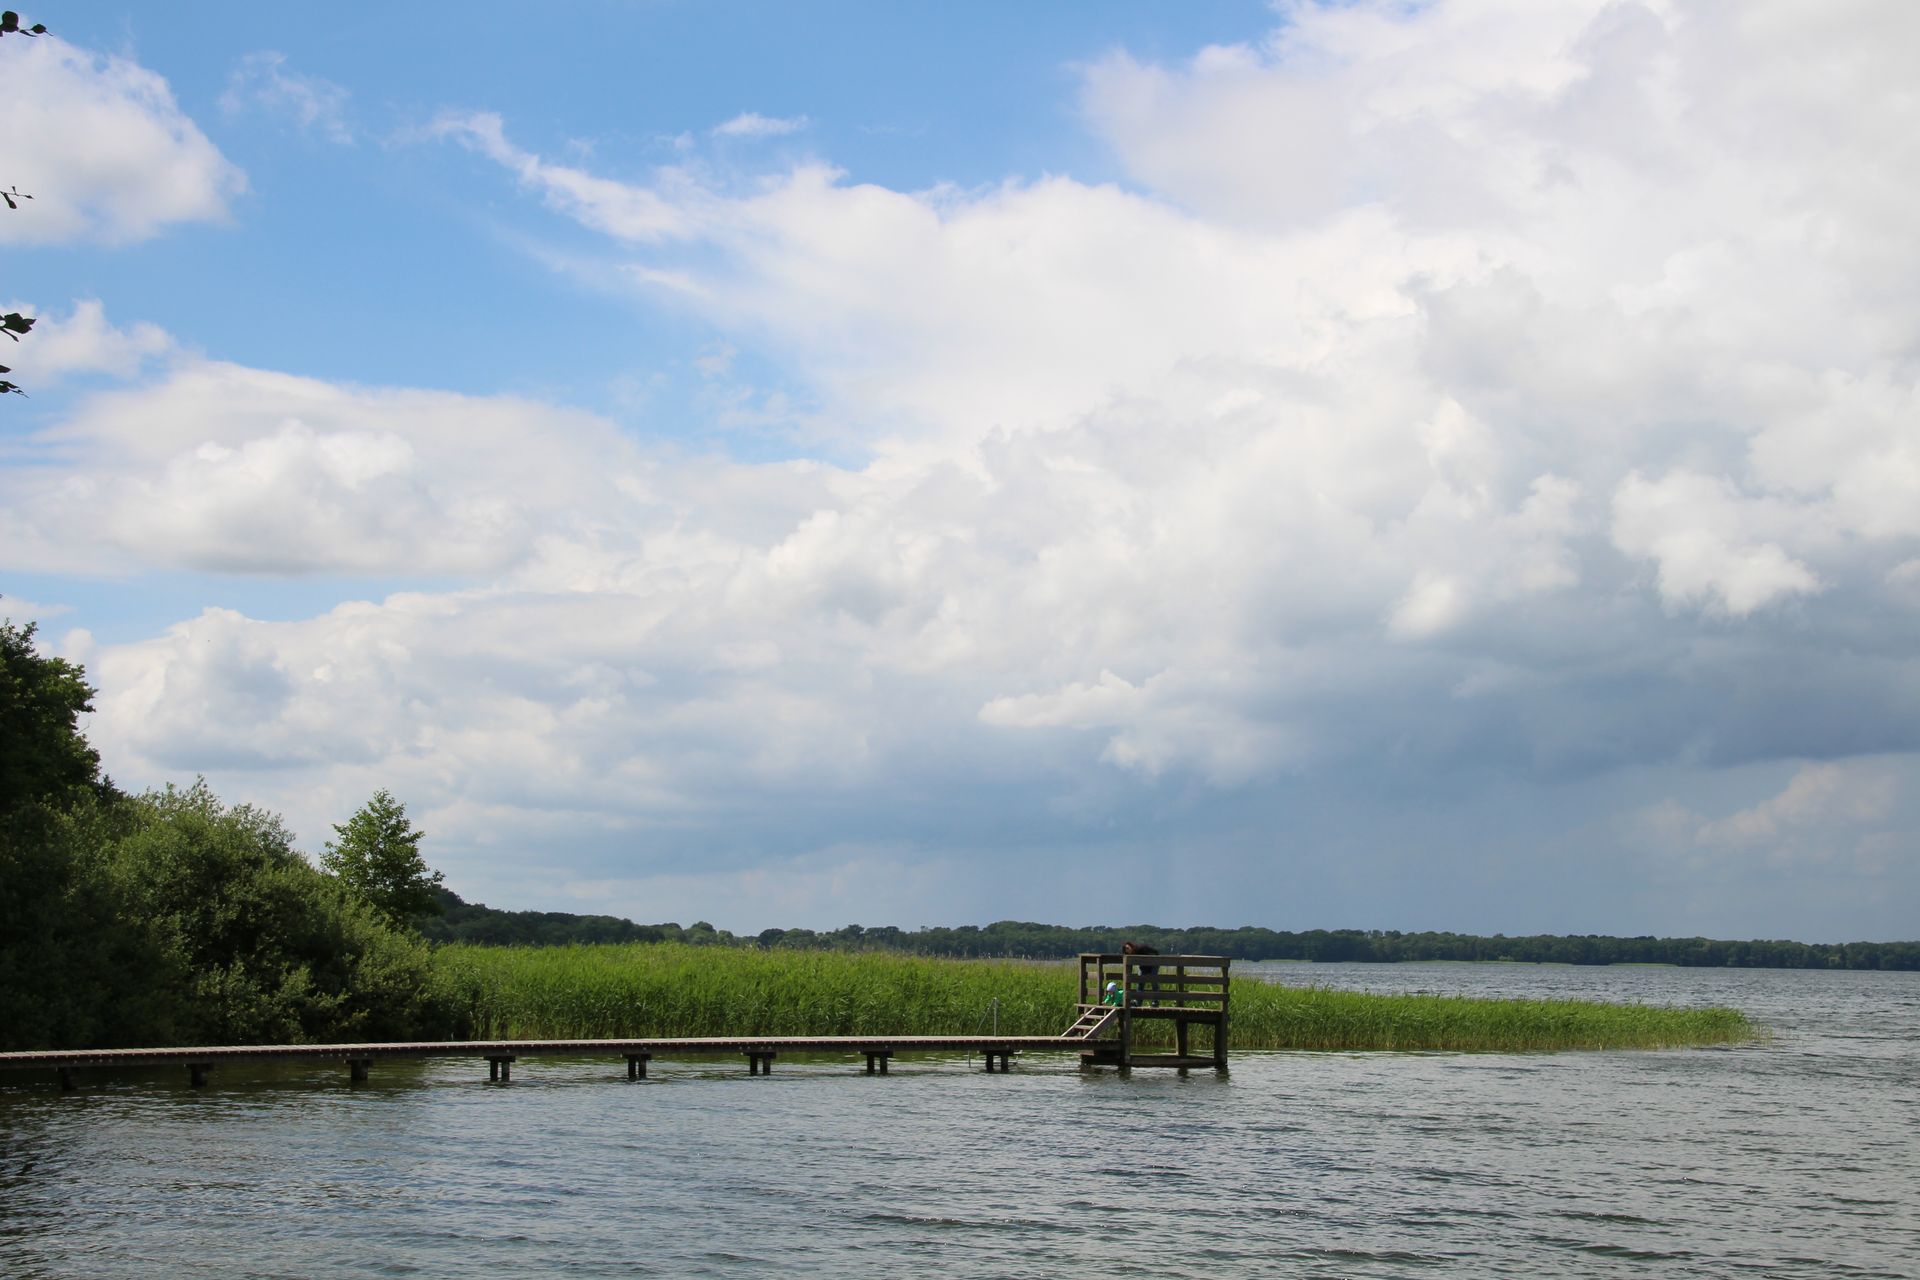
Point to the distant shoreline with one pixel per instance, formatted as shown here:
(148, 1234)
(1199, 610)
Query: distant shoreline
(479, 924)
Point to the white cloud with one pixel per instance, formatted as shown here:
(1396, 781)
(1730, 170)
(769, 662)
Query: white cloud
(22, 611)
(1697, 529)
(229, 469)
(632, 213)
(262, 82)
(751, 124)
(1853, 794)
(1465, 392)
(1839, 815)
(101, 145)
(84, 342)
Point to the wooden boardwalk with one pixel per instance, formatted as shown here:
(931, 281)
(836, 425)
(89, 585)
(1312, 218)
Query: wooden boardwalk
(1189, 990)
(760, 1051)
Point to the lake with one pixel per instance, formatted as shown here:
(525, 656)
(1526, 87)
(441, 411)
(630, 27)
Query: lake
(1793, 1157)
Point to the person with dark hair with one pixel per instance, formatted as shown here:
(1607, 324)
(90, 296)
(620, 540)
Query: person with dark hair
(1149, 973)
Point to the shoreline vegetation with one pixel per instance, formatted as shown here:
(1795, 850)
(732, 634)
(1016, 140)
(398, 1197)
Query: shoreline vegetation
(472, 922)
(595, 991)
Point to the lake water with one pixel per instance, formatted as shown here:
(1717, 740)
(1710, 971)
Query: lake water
(1796, 1157)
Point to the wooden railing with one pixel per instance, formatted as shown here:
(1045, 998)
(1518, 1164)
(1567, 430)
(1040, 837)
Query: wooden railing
(1195, 982)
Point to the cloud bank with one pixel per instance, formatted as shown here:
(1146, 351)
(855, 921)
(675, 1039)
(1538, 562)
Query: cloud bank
(1456, 398)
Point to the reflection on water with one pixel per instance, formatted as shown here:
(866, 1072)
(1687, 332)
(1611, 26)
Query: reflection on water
(1790, 1158)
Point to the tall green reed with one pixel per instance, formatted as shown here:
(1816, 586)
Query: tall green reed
(668, 989)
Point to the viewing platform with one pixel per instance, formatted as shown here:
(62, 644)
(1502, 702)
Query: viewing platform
(1189, 991)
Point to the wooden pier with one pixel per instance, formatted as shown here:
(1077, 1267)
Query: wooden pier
(1189, 991)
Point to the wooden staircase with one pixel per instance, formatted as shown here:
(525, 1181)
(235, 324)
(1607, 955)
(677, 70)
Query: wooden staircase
(1092, 1021)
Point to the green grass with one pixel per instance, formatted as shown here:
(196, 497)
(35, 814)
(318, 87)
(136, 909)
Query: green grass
(668, 989)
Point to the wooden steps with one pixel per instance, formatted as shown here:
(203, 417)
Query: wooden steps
(1092, 1021)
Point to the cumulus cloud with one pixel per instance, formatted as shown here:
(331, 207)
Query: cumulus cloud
(1459, 390)
(262, 82)
(1693, 527)
(222, 468)
(103, 148)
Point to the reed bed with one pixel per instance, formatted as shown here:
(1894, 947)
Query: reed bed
(669, 989)
(643, 990)
(1266, 1015)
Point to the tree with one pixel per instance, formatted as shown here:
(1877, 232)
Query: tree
(378, 856)
(259, 947)
(42, 755)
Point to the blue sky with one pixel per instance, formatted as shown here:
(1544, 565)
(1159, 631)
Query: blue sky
(1448, 466)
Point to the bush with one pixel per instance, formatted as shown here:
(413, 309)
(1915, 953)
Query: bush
(264, 948)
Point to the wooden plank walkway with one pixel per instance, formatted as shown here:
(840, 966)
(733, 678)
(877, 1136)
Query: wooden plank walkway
(499, 1054)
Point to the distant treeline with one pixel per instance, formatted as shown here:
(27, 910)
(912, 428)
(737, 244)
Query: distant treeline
(472, 922)
(475, 922)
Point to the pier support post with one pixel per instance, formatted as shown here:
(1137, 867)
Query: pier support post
(880, 1057)
(1006, 1061)
(66, 1079)
(197, 1074)
(1220, 1026)
(637, 1065)
(759, 1062)
(500, 1067)
(357, 1069)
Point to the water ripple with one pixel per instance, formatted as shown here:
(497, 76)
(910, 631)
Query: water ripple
(1793, 1158)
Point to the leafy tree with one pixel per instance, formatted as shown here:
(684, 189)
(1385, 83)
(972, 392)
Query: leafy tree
(378, 856)
(257, 945)
(42, 755)
(77, 966)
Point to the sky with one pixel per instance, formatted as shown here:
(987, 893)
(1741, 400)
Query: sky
(1447, 465)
